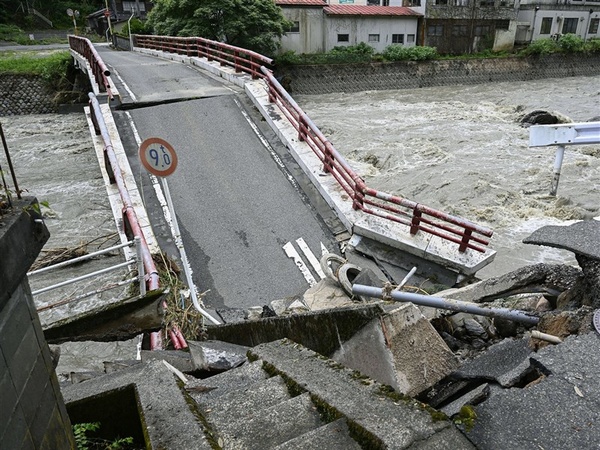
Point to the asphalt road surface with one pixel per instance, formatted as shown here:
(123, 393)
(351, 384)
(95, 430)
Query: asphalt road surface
(236, 205)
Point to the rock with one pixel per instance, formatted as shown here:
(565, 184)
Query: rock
(297, 307)
(565, 323)
(254, 313)
(505, 327)
(543, 305)
(541, 117)
(216, 356)
(474, 328)
(279, 306)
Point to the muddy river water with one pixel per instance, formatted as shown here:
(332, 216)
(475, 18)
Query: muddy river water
(461, 149)
(456, 148)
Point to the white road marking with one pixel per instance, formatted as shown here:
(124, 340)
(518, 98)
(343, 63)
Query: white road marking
(270, 149)
(312, 259)
(291, 252)
(131, 94)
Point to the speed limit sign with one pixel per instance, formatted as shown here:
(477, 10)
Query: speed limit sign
(158, 157)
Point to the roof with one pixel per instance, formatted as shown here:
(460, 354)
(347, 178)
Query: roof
(301, 2)
(352, 10)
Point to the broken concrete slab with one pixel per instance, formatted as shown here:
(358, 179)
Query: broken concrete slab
(506, 363)
(377, 415)
(216, 356)
(576, 361)
(321, 331)
(472, 397)
(400, 349)
(549, 415)
(116, 321)
(179, 359)
(326, 294)
(581, 237)
(549, 279)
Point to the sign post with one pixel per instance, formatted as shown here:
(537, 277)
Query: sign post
(159, 158)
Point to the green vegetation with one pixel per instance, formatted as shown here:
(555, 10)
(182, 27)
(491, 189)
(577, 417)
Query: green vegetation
(52, 67)
(568, 43)
(363, 53)
(254, 25)
(15, 12)
(83, 440)
(466, 417)
(401, 53)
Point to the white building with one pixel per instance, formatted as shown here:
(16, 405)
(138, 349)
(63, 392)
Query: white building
(542, 19)
(319, 26)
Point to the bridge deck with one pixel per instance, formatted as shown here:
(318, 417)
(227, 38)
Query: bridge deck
(235, 205)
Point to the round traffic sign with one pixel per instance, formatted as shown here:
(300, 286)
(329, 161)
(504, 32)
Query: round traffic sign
(158, 157)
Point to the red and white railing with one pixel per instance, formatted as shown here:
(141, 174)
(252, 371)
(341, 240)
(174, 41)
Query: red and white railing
(418, 217)
(85, 48)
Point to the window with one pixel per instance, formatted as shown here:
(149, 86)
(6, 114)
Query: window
(410, 38)
(482, 30)
(486, 3)
(295, 28)
(131, 7)
(546, 25)
(570, 25)
(459, 30)
(502, 24)
(373, 38)
(594, 26)
(397, 39)
(435, 30)
(461, 3)
(411, 3)
(440, 2)
(343, 38)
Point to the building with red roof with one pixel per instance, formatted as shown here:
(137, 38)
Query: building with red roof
(320, 26)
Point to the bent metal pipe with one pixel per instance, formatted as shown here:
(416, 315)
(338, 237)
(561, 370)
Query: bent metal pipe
(444, 303)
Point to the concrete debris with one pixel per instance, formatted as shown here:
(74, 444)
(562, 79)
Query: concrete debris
(326, 294)
(505, 363)
(177, 358)
(400, 349)
(550, 280)
(216, 356)
(471, 398)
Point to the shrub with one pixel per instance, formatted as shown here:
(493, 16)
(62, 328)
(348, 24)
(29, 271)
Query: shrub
(287, 59)
(541, 47)
(401, 53)
(593, 45)
(571, 43)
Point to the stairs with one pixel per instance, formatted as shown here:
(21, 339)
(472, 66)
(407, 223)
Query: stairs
(244, 409)
(288, 398)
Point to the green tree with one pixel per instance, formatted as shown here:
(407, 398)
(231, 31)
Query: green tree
(253, 24)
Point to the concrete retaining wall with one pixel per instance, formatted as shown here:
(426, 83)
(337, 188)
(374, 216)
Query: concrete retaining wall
(25, 94)
(32, 413)
(324, 79)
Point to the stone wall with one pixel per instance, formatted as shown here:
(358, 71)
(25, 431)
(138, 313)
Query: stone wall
(25, 94)
(324, 79)
(32, 413)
